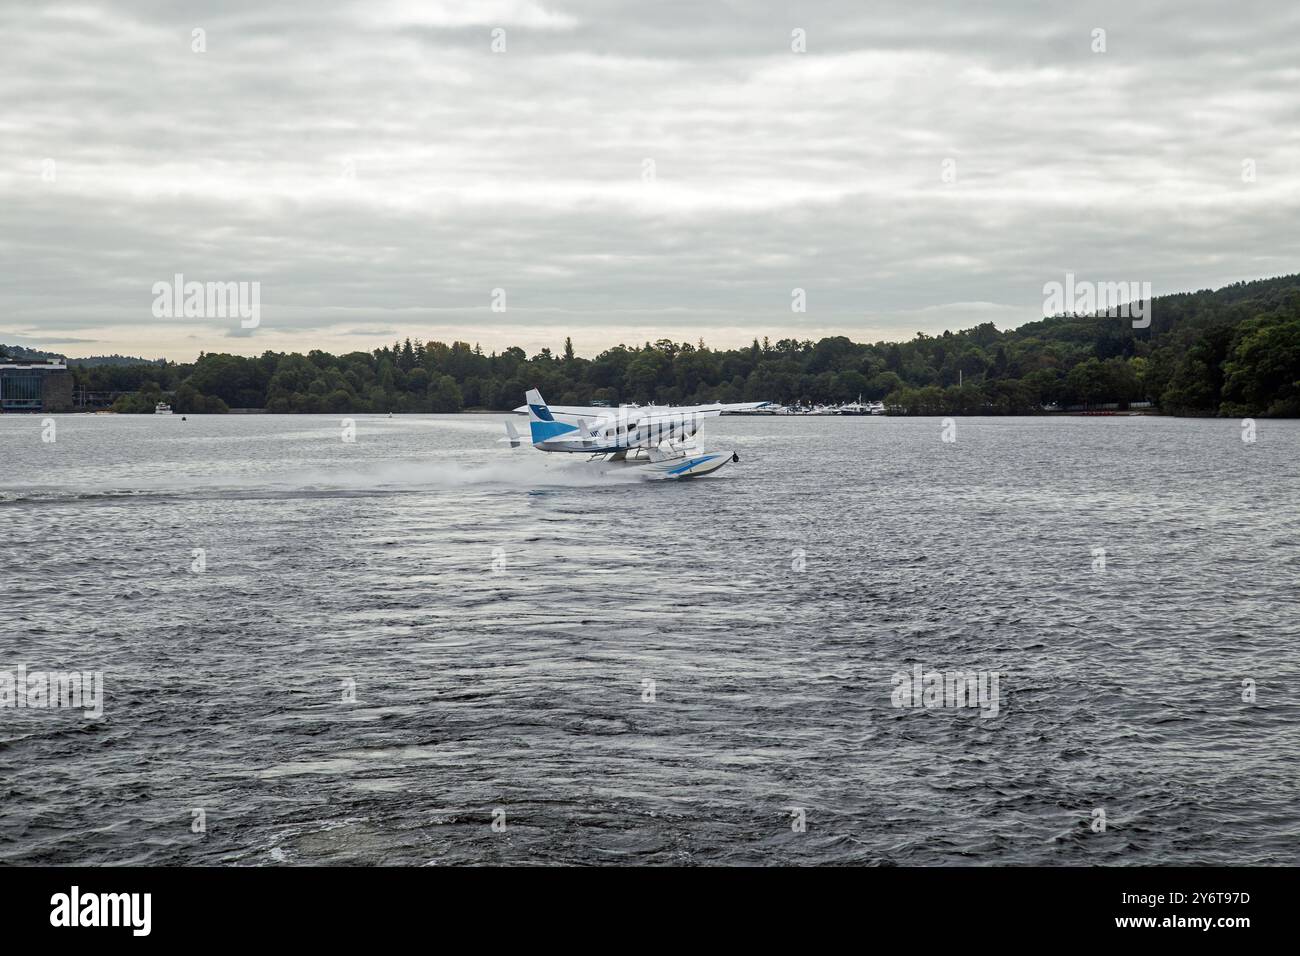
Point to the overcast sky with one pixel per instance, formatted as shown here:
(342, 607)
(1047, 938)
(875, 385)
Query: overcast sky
(379, 169)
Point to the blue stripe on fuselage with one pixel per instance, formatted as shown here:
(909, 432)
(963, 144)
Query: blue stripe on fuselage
(549, 429)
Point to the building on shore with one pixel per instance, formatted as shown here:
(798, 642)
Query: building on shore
(35, 387)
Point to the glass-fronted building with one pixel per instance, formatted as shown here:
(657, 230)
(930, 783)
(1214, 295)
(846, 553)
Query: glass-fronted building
(35, 387)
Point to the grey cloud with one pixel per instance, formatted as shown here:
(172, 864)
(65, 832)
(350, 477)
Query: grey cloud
(373, 172)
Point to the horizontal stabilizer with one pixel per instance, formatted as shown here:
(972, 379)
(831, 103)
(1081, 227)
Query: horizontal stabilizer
(512, 435)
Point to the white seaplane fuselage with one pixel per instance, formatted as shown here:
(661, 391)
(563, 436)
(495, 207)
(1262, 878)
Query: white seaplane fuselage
(661, 439)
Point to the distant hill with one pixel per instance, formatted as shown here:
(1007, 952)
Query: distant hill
(95, 360)
(31, 355)
(22, 354)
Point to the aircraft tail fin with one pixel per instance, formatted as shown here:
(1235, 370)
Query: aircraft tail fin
(541, 423)
(537, 410)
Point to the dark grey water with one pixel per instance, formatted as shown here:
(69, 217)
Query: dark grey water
(513, 680)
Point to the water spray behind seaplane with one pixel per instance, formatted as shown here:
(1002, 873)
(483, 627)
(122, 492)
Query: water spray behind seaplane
(662, 440)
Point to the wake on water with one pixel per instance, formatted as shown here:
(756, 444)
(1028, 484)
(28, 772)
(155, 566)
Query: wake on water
(384, 477)
(522, 472)
(500, 471)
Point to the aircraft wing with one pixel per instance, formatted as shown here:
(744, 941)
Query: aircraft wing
(565, 412)
(575, 411)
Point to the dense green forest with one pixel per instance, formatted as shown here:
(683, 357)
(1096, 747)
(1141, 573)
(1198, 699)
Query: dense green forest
(1234, 351)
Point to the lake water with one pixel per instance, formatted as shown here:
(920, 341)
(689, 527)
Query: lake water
(394, 642)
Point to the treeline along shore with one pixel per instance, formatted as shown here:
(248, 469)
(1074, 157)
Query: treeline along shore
(1232, 351)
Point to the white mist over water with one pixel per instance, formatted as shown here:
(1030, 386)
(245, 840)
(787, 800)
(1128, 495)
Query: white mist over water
(201, 457)
(521, 469)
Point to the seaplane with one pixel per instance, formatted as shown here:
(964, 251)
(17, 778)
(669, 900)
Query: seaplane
(661, 440)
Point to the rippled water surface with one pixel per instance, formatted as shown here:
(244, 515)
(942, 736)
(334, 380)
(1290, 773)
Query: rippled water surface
(500, 613)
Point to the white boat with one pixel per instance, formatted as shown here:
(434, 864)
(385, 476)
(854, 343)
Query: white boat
(861, 408)
(854, 408)
(162, 408)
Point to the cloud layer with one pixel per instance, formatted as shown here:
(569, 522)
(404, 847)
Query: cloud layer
(628, 172)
